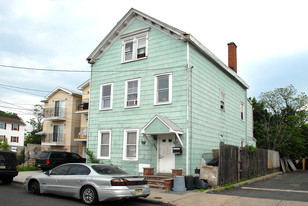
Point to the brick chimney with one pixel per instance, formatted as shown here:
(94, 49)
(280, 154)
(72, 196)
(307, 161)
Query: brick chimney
(232, 62)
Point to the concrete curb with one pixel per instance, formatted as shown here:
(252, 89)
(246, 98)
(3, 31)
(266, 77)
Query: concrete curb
(172, 203)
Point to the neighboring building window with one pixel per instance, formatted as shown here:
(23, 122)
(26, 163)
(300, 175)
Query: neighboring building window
(59, 108)
(132, 93)
(2, 125)
(130, 147)
(14, 139)
(106, 92)
(104, 144)
(134, 45)
(58, 133)
(163, 89)
(222, 100)
(15, 127)
(242, 111)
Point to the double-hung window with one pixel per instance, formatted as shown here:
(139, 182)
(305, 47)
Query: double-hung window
(163, 89)
(135, 45)
(242, 111)
(222, 100)
(130, 147)
(104, 144)
(132, 93)
(106, 93)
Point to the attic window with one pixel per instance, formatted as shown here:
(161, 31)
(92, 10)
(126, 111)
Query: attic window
(135, 45)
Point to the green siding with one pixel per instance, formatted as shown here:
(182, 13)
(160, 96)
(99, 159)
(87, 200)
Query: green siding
(165, 54)
(209, 124)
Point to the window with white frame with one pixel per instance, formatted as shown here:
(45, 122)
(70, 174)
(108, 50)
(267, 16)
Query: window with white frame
(130, 147)
(222, 100)
(106, 93)
(242, 111)
(58, 133)
(132, 93)
(2, 125)
(135, 45)
(104, 144)
(59, 108)
(163, 89)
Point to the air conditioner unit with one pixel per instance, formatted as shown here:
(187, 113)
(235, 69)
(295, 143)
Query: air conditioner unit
(131, 103)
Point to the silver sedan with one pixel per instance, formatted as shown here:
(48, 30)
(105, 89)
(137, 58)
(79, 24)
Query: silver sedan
(90, 182)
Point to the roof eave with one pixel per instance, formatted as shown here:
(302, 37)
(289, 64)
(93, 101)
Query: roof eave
(215, 59)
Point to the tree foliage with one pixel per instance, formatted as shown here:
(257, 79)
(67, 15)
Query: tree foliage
(9, 114)
(4, 145)
(37, 125)
(280, 117)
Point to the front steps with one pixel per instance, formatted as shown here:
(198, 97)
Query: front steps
(163, 182)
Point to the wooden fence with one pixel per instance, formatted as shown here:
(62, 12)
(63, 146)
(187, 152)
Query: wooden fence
(240, 163)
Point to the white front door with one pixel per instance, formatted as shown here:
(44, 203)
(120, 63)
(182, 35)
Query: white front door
(166, 158)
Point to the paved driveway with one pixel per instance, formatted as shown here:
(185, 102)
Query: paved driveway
(284, 187)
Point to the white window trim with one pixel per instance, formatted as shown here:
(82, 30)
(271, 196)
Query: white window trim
(138, 94)
(125, 144)
(222, 93)
(242, 108)
(101, 96)
(99, 144)
(134, 36)
(170, 89)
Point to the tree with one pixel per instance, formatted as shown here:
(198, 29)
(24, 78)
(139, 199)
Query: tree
(4, 145)
(279, 119)
(38, 113)
(9, 114)
(37, 126)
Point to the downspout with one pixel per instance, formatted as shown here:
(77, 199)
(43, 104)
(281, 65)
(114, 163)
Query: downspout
(187, 115)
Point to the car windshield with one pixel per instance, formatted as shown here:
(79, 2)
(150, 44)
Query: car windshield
(43, 155)
(107, 170)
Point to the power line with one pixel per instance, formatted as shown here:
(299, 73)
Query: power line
(16, 105)
(109, 71)
(37, 90)
(40, 69)
(21, 91)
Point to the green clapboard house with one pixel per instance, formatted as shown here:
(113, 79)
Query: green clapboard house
(160, 99)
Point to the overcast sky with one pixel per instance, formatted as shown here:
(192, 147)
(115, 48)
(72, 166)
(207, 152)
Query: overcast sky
(271, 38)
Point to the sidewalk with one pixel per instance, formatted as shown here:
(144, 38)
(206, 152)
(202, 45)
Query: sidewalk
(195, 198)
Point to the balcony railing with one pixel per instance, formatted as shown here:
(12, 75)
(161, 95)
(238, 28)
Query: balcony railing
(82, 105)
(53, 139)
(81, 134)
(55, 113)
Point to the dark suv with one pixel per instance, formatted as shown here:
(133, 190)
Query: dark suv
(49, 159)
(8, 167)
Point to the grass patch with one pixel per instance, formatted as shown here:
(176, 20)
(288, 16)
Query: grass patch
(22, 168)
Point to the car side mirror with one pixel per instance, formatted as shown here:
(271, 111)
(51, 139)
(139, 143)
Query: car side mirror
(47, 172)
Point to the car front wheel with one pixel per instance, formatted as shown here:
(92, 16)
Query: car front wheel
(89, 195)
(34, 187)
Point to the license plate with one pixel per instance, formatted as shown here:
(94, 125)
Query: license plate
(2, 166)
(38, 165)
(138, 192)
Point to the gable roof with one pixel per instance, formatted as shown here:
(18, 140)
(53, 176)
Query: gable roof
(11, 120)
(171, 126)
(70, 92)
(84, 85)
(132, 14)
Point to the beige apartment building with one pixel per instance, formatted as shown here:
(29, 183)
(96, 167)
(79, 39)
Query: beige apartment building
(62, 122)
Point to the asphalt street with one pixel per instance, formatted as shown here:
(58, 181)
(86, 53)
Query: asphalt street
(290, 186)
(15, 194)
